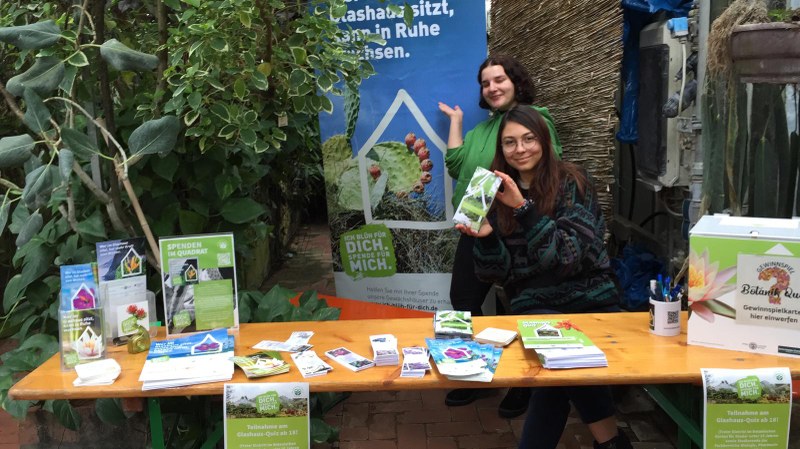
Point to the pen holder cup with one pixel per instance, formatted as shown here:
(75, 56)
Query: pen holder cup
(665, 318)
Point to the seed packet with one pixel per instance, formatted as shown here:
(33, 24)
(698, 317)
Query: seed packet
(477, 199)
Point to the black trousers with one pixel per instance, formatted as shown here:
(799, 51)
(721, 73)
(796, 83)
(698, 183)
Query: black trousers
(467, 292)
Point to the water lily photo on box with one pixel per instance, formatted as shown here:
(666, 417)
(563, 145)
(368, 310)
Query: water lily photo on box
(706, 285)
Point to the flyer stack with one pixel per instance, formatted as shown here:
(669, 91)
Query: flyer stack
(261, 364)
(80, 318)
(415, 362)
(560, 344)
(349, 359)
(193, 359)
(384, 349)
(309, 364)
(464, 359)
(452, 324)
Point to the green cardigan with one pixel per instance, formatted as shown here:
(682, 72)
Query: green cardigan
(478, 150)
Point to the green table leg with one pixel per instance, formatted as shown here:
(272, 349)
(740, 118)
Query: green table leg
(156, 427)
(678, 402)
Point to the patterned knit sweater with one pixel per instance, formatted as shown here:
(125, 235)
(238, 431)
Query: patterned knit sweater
(559, 264)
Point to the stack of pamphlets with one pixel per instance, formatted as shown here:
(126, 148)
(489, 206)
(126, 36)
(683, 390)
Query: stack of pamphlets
(452, 324)
(495, 336)
(263, 363)
(384, 349)
(309, 364)
(415, 362)
(349, 359)
(101, 372)
(80, 317)
(122, 273)
(560, 344)
(464, 359)
(194, 359)
(297, 342)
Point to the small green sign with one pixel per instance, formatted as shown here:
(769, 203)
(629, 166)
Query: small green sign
(368, 252)
(749, 388)
(268, 403)
(181, 319)
(129, 325)
(70, 359)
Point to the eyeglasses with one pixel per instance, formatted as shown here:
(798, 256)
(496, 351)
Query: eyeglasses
(510, 144)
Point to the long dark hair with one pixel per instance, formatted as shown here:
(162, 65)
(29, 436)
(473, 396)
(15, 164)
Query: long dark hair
(524, 92)
(550, 173)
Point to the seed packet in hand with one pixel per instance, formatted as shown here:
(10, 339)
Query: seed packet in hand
(477, 199)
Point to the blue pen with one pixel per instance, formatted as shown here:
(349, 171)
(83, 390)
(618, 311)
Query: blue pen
(660, 283)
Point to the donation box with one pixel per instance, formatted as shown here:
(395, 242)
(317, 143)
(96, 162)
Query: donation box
(744, 284)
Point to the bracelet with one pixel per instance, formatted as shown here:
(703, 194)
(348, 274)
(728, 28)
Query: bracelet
(522, 208)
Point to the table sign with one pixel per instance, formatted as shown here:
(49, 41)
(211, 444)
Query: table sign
(746, 408)
(80, 316)
(744, 284)
(267, 416)
(199, 283)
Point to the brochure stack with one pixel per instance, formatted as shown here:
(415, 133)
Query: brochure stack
(464, 359)
(452, 324)
(122, 276)
(384, 349)
(262, 363)
(80, 315)
(560, 344)
(194, 359)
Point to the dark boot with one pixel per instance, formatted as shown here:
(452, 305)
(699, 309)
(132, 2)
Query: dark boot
(461, 396)
(620, 441)
(515, 403)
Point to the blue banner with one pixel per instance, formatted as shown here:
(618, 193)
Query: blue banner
(384, 152)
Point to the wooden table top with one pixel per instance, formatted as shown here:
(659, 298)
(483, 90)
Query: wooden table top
(635, 357)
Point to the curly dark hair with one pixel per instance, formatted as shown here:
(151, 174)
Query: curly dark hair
(524, 92)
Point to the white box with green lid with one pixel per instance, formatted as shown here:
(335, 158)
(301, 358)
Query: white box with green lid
(744, 284)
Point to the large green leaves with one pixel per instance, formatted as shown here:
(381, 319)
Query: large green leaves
(241, 210)
(31, 227)
(37, 116)
(79, 143)
(15, 150)
(38, 182)
(31, 37)
(5, 206)
(66, 415)
(43, 77)
(155, 136)
(119, 56)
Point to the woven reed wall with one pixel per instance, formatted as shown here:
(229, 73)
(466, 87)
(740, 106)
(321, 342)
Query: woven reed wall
(573, 50)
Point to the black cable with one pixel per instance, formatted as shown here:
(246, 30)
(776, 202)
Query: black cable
(652, 216)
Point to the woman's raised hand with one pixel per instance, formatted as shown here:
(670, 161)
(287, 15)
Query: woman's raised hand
(509, 194)
(454, 113)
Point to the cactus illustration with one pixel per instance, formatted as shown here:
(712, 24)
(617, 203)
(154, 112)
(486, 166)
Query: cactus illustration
(401, 165)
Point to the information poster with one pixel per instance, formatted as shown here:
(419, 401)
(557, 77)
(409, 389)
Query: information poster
(266, 416)
(199, 283)
(389, 194)
(746, 409)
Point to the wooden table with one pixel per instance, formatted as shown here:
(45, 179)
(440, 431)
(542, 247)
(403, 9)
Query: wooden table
(634, 355)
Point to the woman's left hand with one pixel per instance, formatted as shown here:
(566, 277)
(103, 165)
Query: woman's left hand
(510, 194)
(484, 230)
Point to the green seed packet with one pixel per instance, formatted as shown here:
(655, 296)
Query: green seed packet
(477, 199)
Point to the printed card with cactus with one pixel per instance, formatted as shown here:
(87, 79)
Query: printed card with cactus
(121, 266)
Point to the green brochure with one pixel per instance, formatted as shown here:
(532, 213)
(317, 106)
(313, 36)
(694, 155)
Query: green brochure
(199, 283)
(267, 416)
(746, 408)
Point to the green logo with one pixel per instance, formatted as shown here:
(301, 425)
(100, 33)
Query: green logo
(368, 252)
(268, 403)
(749, 388)
(181, 319)
(70, 359)
(129, 324)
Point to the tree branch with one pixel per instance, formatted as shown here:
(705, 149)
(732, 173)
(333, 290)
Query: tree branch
(137, 208)
(11, 102)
